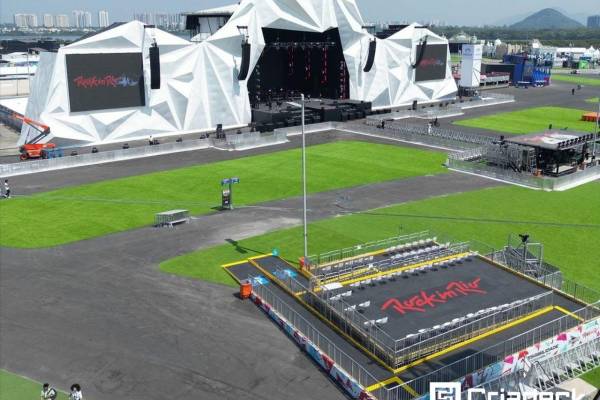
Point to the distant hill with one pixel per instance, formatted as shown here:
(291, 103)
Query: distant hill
(547, 18)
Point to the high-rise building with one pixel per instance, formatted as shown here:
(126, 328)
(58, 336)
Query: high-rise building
(593, 21)
(20, 20)
(82, 19)
(103, 19)
(26, 20)
(48, 20)
(61, 21)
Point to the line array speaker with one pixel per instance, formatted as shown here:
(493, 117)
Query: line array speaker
(154, 67)
(245, 67)
(371, 57)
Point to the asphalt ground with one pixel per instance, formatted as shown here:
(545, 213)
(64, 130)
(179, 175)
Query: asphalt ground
(99, 311)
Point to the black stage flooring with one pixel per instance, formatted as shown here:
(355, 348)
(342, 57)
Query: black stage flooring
(414, 302)
(492, 347)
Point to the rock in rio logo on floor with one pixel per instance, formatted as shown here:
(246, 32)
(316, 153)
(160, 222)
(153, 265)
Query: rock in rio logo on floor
(424, 300)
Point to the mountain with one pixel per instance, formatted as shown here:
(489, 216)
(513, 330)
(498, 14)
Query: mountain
(547, 18)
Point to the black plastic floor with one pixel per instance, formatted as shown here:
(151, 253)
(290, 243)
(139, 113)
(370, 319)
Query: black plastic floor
(509, 287)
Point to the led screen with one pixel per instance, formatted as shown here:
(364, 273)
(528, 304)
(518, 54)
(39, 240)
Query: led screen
(105, 81)
(433, 62)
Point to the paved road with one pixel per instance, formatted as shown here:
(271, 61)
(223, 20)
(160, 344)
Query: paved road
(100, 313)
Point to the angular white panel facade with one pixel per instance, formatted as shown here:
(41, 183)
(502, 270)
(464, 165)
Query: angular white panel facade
(200, 86)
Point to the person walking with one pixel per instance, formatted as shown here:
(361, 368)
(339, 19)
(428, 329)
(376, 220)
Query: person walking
(48, 392)
(6, 189)
(76, 393)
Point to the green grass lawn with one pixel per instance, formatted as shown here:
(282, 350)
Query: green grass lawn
(87, 211)
(488, 216)
(594, 100)
(15, 387)
(576, 79)
(593, 377)
(531, 120)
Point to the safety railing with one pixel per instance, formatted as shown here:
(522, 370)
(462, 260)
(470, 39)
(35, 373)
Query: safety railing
(373, 338)
(549, 276)
(248, 140)
(347, 363)
(488, 356)
(550, 372)
(319, 260)
(420, 134)
(399, 260)
(30, 167)
(525, 179)
(467, 327)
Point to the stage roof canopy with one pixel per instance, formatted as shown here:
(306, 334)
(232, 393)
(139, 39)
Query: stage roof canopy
(552, 140)
(214, 12)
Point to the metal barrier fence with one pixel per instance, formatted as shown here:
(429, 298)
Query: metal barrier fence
(374, 339)
(546, 374)
(170, 218)
(549, 276)
(249, 140)
(363, 268)
(30, 167)
(318, 260)
(524, 179)
(444, 138)
(444, 108)
(347, 363)
(490, 355)
(502, 314)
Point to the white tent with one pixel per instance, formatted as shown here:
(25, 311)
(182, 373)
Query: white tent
(199, 81)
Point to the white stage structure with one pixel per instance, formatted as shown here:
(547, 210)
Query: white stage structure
(200, 82)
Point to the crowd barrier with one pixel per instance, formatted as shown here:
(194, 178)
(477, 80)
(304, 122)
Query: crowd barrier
(511, 355)
(42, 165)
(336, 363)
(242, 141)
(541, 183)
(317, 260)
(251, 140)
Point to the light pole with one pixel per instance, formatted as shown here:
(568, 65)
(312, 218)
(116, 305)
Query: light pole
(304, 183)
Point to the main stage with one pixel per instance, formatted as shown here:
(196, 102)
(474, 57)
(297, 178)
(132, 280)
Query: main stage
(283, 111)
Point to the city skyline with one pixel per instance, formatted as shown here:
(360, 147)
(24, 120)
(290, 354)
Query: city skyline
(78, 19)
(459, 12)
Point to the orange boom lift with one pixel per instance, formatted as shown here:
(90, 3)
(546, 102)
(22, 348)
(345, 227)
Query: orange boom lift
(32, 149)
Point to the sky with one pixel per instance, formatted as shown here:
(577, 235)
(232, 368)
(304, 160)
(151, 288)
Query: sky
(454, 12)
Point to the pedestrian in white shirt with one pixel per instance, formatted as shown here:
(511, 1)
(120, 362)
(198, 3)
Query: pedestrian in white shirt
(76, 393)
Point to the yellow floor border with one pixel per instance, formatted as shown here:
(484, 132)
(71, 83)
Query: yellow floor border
(475, 339)
(276, 281)
(569, 313)
(393, 379)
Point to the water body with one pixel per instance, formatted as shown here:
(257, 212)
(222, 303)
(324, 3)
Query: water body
(65, 37)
